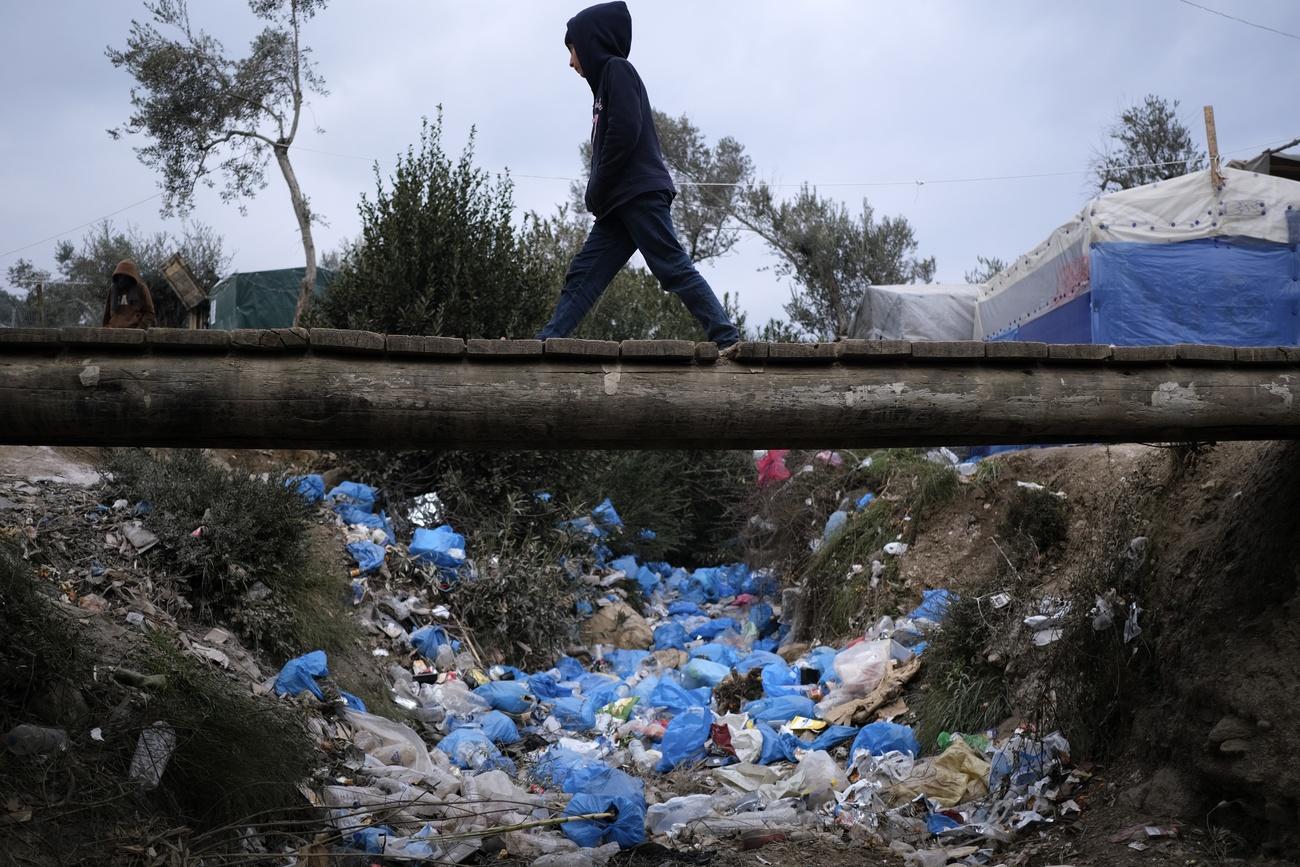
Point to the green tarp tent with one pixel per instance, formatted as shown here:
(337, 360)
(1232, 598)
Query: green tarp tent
(260, 299)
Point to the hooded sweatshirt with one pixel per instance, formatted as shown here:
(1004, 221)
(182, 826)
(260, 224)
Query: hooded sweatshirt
(130, 309)
(626, 159)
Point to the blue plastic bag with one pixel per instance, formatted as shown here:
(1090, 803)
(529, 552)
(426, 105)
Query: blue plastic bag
(685, 738)
(703, 673)
(469, 748)
(544, 686)
(506, 695)
(441, 546)
(427, 640)
(310, 488)
(780, 679)
(713, 628)
(350, 514)
(570, 668)
(606, 516)
(566, 770)
(583, 608)
(499, 728)
(368, 555)
(627, 828)
(831, 737)
(647, 580)
(758, 659)
(372, 840)
(299, 675)
(866, 500)
(352, 702)
(575, 713)
(355, 493)
(723, 654)
(626, 662)
(626, 564)
(933, 607)
(883, 737)
(683, 608)
(938, 822)
(676, 699)
(761, 615)
(776, 747)
(781, 709)
(670, 636)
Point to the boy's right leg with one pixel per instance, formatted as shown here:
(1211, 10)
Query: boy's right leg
(606, 251)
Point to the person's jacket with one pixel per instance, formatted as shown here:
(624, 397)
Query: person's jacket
(132, 308)
(626, 159)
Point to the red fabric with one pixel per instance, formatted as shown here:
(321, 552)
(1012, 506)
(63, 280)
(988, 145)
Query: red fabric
(771, 467)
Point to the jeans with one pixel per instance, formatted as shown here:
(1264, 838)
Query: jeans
(644, 224)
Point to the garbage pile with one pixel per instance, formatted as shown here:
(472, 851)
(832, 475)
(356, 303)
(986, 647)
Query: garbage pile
(701, 692)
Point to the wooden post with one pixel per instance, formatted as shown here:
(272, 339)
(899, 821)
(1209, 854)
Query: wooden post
(1212, 142)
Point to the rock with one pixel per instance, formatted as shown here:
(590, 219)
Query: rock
(619, 625)
(1230, 728)
(1171, 793)
(671, 658)
(333, 477)
(1235, 747)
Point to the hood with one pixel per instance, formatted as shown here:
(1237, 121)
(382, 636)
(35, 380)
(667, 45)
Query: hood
(599, 33)
(127, 267)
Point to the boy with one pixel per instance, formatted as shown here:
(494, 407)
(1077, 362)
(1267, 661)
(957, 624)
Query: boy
(629, 192)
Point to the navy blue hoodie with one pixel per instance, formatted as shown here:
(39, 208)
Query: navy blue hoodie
(626, 160)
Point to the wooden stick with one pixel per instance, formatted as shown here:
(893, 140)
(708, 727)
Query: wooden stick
(1212, 141)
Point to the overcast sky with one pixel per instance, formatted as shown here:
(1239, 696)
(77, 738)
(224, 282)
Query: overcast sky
(825, 91)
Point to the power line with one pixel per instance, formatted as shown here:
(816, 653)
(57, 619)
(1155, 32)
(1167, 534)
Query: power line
(77, 228)
(1239, 20)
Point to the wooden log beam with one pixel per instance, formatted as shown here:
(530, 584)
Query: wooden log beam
(366, 391)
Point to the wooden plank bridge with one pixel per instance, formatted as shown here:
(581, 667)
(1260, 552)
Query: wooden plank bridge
(293, 388)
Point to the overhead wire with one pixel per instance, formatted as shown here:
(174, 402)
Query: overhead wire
(918, 183)
(1239, 20)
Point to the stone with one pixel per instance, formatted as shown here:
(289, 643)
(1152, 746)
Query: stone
(617, 624)
(1235, 747)
(1231, 728)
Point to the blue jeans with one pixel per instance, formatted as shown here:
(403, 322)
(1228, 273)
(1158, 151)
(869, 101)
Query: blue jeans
(644, 224)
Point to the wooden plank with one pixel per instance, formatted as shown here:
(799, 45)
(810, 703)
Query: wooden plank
(269, 339)
(1261, 355)
(1015, 350)
(1079, 352)
(106, 337)
(569, 347)
(752, 353)
(1144, 354)
(337, 340)
(498, 350)
(948, 349)
(187, 340)
(706, 353)
(802, 353)
(293, 400)
(657, 350)
(410, 344)
(874, 350)
(29, 338)
(1202, 352)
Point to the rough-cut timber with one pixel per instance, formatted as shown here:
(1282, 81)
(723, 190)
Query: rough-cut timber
(292, 388)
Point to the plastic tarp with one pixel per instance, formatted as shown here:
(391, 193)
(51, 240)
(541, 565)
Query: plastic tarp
(1170, 262)
(929, 311)
(260, 299)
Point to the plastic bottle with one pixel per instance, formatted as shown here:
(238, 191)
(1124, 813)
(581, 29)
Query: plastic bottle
(30, 740)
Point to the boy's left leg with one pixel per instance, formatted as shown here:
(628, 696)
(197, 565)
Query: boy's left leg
(649, 221)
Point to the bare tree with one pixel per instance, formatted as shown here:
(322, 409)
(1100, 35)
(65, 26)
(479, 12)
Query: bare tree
(206, 113)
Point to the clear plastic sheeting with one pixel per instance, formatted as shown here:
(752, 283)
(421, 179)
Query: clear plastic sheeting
(929, 311)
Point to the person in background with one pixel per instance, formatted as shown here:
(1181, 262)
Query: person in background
(129, 304)
(629, 192)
